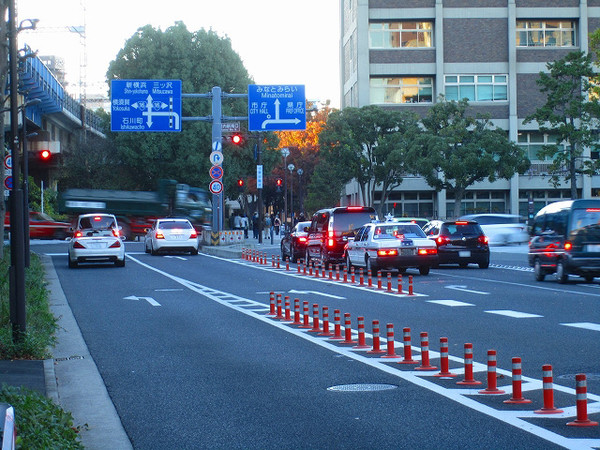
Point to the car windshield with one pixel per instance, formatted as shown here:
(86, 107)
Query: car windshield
(301, 225)
(348, 221)
(582, 218)
(97, 223)
(407, 231)
(175, 224)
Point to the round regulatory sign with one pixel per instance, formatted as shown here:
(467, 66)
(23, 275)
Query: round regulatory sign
(8, 182)
(216, 158)
(216, 172)
(215, 186)
(8, 161)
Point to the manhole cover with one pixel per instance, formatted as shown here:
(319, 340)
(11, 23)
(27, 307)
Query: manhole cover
(363, 387)
(588, 376)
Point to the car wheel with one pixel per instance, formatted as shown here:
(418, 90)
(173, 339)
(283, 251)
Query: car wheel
(561, 272)
(307, 258)
(348, 263)
(589, 278)
(403, 270)
(194, 252)
(463, 265)
(369, 266)
(293, 257)
(152, 251)
(424, 270)
(72, 264)
(61, 235)
(484, 265)
(120, 263)
(539, 273)
(146, 249)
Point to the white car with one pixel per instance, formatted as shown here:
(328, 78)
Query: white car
(501, 229)
(97, 238)
(171, 234)
(391, 245)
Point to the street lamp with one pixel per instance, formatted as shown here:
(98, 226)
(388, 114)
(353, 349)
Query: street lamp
(285, 152)
(291, 169)
(300, 172)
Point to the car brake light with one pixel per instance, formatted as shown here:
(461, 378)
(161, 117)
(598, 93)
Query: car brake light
(77, 244)
(427, 251)
(389, 252)
(115, 232)
(568, 245)
(302, 239)
(194, 235)
(78, 234)
(115, 244)
(159, 235)
(461, 223)
(592, 210)
(483, 239)
(441, 239)
(97, 218)
(355, 208)
(330, 238)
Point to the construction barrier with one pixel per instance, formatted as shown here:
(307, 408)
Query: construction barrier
(548, 387)
(306, 317)
(425, 365)
(271, 304)
(582, 415)
(325, 332)
(376, 341)
(469, 380)
(361, 333)
(517, 391)
(444, 362)
(492, 381)
(407, 348)
(347, 330)
(337, 325)
(391, 344)
(315, 328)
(296, 312)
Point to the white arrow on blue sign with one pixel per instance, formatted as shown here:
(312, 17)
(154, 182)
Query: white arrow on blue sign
(145, 105)
(276, 107)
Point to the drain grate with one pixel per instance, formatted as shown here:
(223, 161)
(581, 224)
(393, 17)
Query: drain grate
(363, 387)
(70, 358)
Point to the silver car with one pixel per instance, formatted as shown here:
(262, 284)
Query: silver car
(97, 238)
(171, 235)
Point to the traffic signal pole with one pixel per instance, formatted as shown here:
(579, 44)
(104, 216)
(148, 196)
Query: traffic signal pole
(217, 136)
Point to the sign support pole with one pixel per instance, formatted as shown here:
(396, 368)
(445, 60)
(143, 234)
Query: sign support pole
(217, 136)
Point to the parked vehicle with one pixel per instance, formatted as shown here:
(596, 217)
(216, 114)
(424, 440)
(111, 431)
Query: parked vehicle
(565, 239)
(391, 245)
(501, 229)
(136, 211)
(97, 238)
(42, 226)
(171, 234)
(330, 229)
(293, 243)
(459, 242)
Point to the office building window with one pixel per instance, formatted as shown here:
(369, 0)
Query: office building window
(401, 90)
(476, 88)
(400, 34)
(546, 33)
(532, 142)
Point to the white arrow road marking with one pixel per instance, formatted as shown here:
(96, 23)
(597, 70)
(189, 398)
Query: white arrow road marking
(463, 288)
(148, 299)
(293, 291)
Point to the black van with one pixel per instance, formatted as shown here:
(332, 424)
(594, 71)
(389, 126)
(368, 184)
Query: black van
(330, 228)
(565, 239)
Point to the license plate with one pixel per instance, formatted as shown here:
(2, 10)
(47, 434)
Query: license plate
(592, 247)
(407, 251)
(96, 245)
(464, 254)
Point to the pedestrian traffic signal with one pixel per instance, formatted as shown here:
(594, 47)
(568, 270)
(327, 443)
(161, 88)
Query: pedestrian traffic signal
(237, 139)
(279, 182)
(45, 156)
(240, 184)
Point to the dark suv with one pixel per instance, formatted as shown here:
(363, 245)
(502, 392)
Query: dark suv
(459, 242)
(330, 229)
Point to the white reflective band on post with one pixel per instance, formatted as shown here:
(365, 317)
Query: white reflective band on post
(516, 365)
(517, 377)
(547, 385)
(581, 383)
(491, 368)
(547, 373)
(581, 397)
(491, 357)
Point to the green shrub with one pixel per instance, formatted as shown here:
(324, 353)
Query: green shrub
(40, 423)
(40, 323)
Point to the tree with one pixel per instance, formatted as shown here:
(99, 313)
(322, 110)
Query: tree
(201, 59)
(367, 144)
(455, 150)
(571, 114)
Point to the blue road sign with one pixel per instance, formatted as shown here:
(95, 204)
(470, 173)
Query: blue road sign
(145, 105)
(216, 172)
(276, 107)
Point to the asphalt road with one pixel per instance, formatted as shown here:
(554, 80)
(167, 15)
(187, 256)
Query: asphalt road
(190, 359)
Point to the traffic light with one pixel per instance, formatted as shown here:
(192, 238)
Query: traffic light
(240, 184)
(279, 182)
(237, 139)
(45, 156)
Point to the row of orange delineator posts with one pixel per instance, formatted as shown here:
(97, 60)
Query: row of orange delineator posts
(327, 272)
(321, 328)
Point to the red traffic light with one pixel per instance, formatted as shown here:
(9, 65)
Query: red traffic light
(240, 182)
(45, 155)
(279, 182)
(237, 139)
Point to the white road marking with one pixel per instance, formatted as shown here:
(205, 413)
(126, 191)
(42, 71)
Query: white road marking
(586, 325)
(148, 299)
(168, 290)
(450, 303)
(461, 396)
(515, 314)
(293, 291)
(464, 289)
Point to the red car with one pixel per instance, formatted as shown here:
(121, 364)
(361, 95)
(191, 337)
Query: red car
(42, 226)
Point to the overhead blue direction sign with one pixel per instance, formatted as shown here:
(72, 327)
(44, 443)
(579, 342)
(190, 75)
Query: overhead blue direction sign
(276, 107)
(145, 105)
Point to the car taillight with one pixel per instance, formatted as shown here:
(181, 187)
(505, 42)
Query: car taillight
(388, 252)
(78, 234)
(302, 239)
(115, 232)
(193, 235)
(330, 240)
(441, 239)
(427, 251)
(483, 239)
(77, 244)
(568, 245)
(115, 244)
(159, 235)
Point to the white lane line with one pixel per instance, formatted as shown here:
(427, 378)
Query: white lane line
(450, 303)
(513, 418)
(515, 314)
(293, 291)
(463, 288)
(586, 325)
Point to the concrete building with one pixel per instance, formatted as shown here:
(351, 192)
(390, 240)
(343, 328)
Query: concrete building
(404, 53)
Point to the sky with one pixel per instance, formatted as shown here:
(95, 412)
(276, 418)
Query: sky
(279, 41)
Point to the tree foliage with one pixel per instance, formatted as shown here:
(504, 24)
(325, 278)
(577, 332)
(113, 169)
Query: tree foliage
(570, 114)
(456, 150)
(367, 144)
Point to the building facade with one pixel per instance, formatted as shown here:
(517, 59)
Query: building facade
(405, 53)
